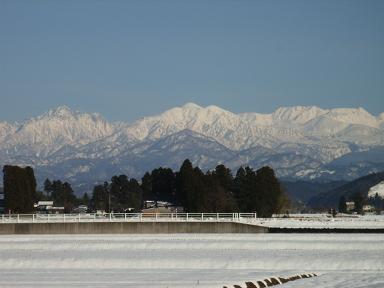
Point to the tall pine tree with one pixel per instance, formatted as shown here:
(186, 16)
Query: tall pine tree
(19, 189)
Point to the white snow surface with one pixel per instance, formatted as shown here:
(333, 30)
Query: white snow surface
(377, 189)
(324, 221)
(190, 260)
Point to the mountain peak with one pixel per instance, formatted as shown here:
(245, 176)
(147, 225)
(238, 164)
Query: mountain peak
(191, 105)
(215, 108)
(60, 111)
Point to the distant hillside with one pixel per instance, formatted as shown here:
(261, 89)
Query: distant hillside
(331, 198)
(303, 191)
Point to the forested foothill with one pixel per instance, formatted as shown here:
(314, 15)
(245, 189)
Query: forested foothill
(355, 192)
(218, 190)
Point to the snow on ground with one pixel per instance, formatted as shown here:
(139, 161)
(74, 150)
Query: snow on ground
(321, 221)
(190, 260)
(377, 189)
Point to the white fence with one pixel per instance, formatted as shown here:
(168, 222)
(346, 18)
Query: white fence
(127, 217)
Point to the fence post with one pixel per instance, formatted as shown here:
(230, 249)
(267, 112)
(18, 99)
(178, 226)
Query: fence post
(125, 216)
(110, 217)
(156, 216)
(255, 215)
(79, 217)
(18, 218)
(33, 218)
(187, 216)
(202, 216)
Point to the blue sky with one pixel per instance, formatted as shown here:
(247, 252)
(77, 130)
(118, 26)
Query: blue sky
(128, 59)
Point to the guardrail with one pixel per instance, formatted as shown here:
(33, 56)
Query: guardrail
(127, 217)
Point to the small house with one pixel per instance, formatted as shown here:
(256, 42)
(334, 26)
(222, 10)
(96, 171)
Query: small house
(350, 206)
(46, 207)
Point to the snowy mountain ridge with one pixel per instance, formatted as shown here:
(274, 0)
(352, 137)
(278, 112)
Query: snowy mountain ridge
(299, 142)
(377, 190)
(241, 131)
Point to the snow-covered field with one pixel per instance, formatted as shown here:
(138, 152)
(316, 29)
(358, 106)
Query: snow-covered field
(205, 260)
(324, 221)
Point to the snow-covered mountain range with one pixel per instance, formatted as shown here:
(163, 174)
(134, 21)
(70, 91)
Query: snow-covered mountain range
(298, 142)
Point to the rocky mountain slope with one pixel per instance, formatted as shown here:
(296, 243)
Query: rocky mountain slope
(307, 143)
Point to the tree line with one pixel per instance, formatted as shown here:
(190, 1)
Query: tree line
(20, 193)
(217, 190)
(211, 192)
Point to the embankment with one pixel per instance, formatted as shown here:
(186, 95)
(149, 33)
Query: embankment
(129, 228)
(162, 228)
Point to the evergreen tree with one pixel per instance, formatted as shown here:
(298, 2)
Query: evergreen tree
(184, 183)
(218, 184)
(63, 195)
(244, 189)
(270, 197)
(135, 196)
(224, 176)
(190, 189)
(163, 184)
(259, 192)
(146, 186)
(119, 189)
(99, 199)
(41, 196)
(19, 189)
(359, 200)
(342, 204)
(198, 196)
(48, 188)
(123, 193)
(85, 199)
(238, 189)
